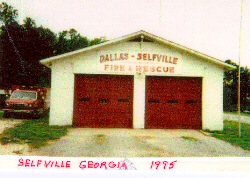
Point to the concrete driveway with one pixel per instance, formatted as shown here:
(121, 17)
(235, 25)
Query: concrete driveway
(90, 142)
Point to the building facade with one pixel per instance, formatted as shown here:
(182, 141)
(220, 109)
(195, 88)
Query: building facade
(137, 81)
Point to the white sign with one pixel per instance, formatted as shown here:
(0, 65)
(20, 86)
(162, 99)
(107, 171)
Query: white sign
(139, 63)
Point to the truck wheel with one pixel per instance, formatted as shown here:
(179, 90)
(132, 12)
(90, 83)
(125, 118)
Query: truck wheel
(6, 114)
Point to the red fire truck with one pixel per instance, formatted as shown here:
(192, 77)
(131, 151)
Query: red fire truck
(27, 99)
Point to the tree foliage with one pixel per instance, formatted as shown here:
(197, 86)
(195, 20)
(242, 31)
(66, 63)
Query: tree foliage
(23, 46)
(231, 88)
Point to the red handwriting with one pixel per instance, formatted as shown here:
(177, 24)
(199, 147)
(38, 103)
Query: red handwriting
(44, 163)
(98, 165)
(162, 164)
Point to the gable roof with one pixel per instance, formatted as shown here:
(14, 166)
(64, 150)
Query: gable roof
(146, 37)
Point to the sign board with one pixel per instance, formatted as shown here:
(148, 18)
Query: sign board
(139, 63)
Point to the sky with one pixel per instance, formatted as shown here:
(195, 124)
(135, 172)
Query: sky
(211, 27)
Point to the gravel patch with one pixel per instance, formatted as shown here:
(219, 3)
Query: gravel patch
(86, 142)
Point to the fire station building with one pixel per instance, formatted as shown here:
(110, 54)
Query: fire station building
(137, 81)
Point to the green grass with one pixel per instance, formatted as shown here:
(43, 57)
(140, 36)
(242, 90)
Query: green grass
(36, 133)
(230, 134)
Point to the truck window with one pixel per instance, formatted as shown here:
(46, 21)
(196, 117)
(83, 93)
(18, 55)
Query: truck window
(23, 95)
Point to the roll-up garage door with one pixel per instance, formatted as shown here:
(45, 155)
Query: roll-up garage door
(173, 102)
(103, 101)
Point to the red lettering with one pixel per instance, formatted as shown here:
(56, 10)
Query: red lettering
(121, 56)
(157, 163)
(57, 165)
(103, 164)
(102, 58)
(172, 164)
(82, 165)
(107, 58)
(149, 57)
(144, 56)
(139, 56)
(122, 67)
(166, 59)
(126, 56)
(158, 69)
(124, 166)
(27, 163)
(96, 165)
(38, 163)
(62, 165)
(154, 56)
(111, 59)
(106, 66)
(116, 57)
(138, 68)
(32, 165)
(175, 60)
(170, 60)
(171, 69)
(165, 69)
(52, 163)
(152, 69)
(116, 67)
(163, 57)
(159, 57)
(46, 164)
(90, 164)
(152, 165)
(111, 164)
(67, 164)
(20, 162)
(165, 164)
(146, 69)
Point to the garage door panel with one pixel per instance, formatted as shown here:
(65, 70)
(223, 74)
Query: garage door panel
(103, 101)
(173, 101)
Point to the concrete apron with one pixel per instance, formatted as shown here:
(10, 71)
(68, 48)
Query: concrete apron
(93, 142)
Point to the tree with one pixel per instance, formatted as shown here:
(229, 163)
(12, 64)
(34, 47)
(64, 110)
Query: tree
(96, 41)
(231, 88)
(70, 41)
(23, 46)
(7, 13)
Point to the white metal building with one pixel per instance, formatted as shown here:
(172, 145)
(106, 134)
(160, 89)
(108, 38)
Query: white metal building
(137, 81)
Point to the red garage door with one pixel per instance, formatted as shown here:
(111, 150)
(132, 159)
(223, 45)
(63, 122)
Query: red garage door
(173, 102)
(103, 101)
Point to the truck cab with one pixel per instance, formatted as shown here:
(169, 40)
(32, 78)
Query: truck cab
(27, 100)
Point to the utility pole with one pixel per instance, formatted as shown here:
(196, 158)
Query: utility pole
(239, 117)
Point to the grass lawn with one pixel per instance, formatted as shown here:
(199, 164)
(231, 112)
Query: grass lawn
(35, 132)
(230, 134)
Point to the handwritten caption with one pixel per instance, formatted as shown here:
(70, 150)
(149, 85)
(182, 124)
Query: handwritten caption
(67, 164)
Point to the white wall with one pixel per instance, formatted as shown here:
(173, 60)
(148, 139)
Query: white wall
(63, 82)
(139, 102)
(62, 89)
(212, 97)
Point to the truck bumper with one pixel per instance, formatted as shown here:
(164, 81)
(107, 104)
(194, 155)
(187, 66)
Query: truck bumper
(35, 112)
(18, 111)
